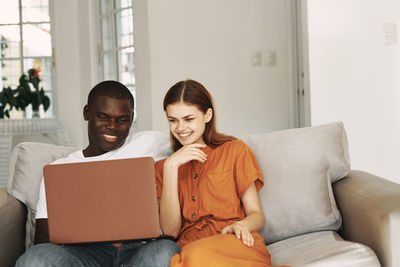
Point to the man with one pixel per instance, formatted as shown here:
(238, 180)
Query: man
(109, 113)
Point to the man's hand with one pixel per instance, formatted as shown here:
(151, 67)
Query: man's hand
(241, 231)
(41, 231)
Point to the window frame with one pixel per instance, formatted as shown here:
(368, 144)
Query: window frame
(112, 16)
(51, 111)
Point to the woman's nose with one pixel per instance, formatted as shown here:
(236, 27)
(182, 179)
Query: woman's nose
(181, 126)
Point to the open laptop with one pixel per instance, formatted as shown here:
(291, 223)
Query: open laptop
(102, 201)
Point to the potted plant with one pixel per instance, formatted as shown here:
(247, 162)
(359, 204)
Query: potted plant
(7, 102)
(23, 96)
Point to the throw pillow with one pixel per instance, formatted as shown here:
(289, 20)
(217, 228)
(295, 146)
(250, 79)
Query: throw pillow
(26, 172)
(298, 167)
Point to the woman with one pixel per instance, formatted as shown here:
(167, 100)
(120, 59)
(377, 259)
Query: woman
(208, 187)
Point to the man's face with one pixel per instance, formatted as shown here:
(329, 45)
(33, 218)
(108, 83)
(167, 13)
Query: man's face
(109, 120)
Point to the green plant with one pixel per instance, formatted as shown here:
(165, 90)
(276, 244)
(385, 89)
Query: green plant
(7, 102)
(23, 96)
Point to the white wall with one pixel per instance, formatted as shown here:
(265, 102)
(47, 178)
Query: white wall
(354, 78)
(75, 71)
(211, 41)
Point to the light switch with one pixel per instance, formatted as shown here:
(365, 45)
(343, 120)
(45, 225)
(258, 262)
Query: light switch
(256, 58)
(389, 34)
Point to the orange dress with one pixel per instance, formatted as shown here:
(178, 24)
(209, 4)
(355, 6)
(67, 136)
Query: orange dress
(209, 196)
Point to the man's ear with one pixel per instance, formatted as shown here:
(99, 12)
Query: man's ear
(86, 113)
(209, 114)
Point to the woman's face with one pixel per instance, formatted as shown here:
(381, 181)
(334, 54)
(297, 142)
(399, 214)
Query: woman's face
(187, 122)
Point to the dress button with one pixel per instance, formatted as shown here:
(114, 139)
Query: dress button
(193, 215)
(195, 175)
(194, 198)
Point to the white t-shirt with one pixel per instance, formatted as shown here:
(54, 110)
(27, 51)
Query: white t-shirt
(144, 144)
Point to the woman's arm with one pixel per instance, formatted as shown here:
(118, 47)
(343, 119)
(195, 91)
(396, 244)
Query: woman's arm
(170, 210)
(253, 221)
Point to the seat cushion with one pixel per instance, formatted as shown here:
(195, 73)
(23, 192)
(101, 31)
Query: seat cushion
(299, 166)
(324, 249)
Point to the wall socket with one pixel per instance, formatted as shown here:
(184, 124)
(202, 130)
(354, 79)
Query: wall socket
(267, 58)
(270, 58)
(256, 57)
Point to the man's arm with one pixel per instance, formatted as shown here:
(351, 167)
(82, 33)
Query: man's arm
(41, 231)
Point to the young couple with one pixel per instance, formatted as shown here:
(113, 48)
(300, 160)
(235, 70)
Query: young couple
(207, 187)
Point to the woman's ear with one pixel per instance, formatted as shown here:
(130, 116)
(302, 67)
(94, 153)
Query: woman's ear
(209, 114)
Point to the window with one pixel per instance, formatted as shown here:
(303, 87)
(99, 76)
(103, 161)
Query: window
(116, 52)
(25, 43)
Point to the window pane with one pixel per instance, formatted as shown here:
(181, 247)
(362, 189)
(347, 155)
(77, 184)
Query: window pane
(126, 66)
(124, 3)
(106, 6)
(37, 39)
(35, 11)
(106, 33)
(109, 70)
(125, 28)
(9, 12)
(9, 41)
(43, 66)
(10, 71)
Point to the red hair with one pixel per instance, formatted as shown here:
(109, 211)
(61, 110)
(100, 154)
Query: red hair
(194, 93)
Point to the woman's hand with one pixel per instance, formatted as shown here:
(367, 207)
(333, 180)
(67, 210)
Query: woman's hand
(241, 231)
(186, 154)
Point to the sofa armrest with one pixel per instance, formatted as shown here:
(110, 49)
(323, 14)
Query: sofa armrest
(370, 207)
(12, 228)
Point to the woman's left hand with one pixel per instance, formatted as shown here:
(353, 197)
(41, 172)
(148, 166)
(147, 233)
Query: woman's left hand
(241, 231)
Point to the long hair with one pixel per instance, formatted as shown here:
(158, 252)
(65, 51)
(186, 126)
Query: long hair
(194, 93)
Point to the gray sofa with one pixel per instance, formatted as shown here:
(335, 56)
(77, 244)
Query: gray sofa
(318, 211)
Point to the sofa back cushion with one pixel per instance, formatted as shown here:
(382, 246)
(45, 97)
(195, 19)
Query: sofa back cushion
(26, 172)
(299, 166)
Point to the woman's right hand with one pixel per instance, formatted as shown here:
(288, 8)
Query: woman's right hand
(170, 211)
(186, 154)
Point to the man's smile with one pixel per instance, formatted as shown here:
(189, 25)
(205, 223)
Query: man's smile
(110, 138)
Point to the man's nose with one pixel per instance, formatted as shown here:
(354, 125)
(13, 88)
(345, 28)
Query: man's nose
(110, 124)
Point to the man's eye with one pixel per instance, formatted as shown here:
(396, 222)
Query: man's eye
(189, 119)
(103, 117)
(171, 120)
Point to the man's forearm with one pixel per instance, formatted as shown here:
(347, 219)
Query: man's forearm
(41, 231)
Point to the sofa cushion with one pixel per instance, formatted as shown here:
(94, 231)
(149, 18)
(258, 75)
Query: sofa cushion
(299, 166)
(322, 249)
(26, 171)
(12, 228)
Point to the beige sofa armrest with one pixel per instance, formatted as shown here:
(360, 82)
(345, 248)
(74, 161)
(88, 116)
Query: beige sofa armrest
(12, 228)
(370, 207)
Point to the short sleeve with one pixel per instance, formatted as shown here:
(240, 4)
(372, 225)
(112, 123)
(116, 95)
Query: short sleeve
(246, 169)
(159, 169)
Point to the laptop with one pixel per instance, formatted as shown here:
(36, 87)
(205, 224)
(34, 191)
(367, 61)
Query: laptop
(101, 201)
